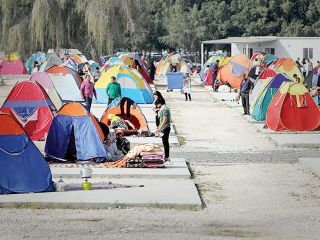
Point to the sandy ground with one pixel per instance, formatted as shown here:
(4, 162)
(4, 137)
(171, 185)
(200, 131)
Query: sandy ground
(250, 188)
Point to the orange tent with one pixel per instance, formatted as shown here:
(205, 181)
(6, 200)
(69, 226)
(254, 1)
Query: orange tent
(136, 116)
(233, 71)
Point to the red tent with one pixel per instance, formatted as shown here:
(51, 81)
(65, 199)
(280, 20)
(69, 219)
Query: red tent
(30, 105)
(292, 108)
(14, 67)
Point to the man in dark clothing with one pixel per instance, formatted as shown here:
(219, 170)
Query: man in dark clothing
(214, 73)
(246, 87)
(152, 70)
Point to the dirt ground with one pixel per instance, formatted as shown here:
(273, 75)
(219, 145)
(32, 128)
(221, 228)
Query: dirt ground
(251, 189)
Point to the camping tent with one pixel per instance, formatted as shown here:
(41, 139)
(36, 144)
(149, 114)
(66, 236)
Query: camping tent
(38, 56)
(79, 59)
(129, 60)
(12, 65)
(268, 90)
(31, 106)
(164, 65)
(210, 62)
(74, 132)
(45, 81)
(93, 65)
(132, 84)
(52, 60)
(22, 167)
(233, 71)
(265, 74)
(67, 83)
(292, 108)
(288, 67)
(136, 116)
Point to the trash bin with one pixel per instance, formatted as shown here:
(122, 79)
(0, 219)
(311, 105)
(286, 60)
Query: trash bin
(174, 80)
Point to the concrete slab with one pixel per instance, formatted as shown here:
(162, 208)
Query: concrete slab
(155, 193)
(313, 164)
(297, 140)
(177, 170)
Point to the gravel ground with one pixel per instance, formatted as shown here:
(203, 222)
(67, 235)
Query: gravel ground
(251, 189)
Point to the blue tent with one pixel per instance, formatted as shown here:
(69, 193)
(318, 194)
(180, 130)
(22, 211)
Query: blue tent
(22, 167)
(74, 133)
(38, 56)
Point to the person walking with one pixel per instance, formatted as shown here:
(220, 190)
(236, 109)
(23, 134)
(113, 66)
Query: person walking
(157, 95)
(164, 127)
(215, 73)
(152, 70)
(304, 67)
(87, 90)
(246, 87)
(113, 90)
(187, 86)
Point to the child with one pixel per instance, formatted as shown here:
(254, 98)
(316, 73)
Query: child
(187, 86)
(122, 143)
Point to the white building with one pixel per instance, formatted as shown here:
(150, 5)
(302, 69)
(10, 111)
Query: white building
(294, 47)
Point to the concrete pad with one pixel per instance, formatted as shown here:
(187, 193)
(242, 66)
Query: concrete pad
(297, 140)
(155, 193)
(177, 170)
(313, 164)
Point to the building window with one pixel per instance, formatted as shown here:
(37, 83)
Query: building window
(308, 53)
(270, 51)
(244, 50)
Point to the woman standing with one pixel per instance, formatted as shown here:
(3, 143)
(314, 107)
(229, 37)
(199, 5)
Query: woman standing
(157, 95)
(187, 86)
(87, 90)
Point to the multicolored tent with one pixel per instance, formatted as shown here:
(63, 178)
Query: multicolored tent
(31, 106)
(164, 65)
(93, 65)
(210, 62)
(269, 88)
(268, 59)
(52, 60)
(12, 65)
(111, 61)
(40, 57)
(74, 135)
(265, 74)
(132, 84)
(293, 109)
(78, 59)
(22, 167)
(67, 83)
(234, 70)
(130, 60)
(46, 82)
(136, 116)
(288, 67)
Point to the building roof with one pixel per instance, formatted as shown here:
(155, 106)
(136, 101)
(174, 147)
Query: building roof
(230, 40)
